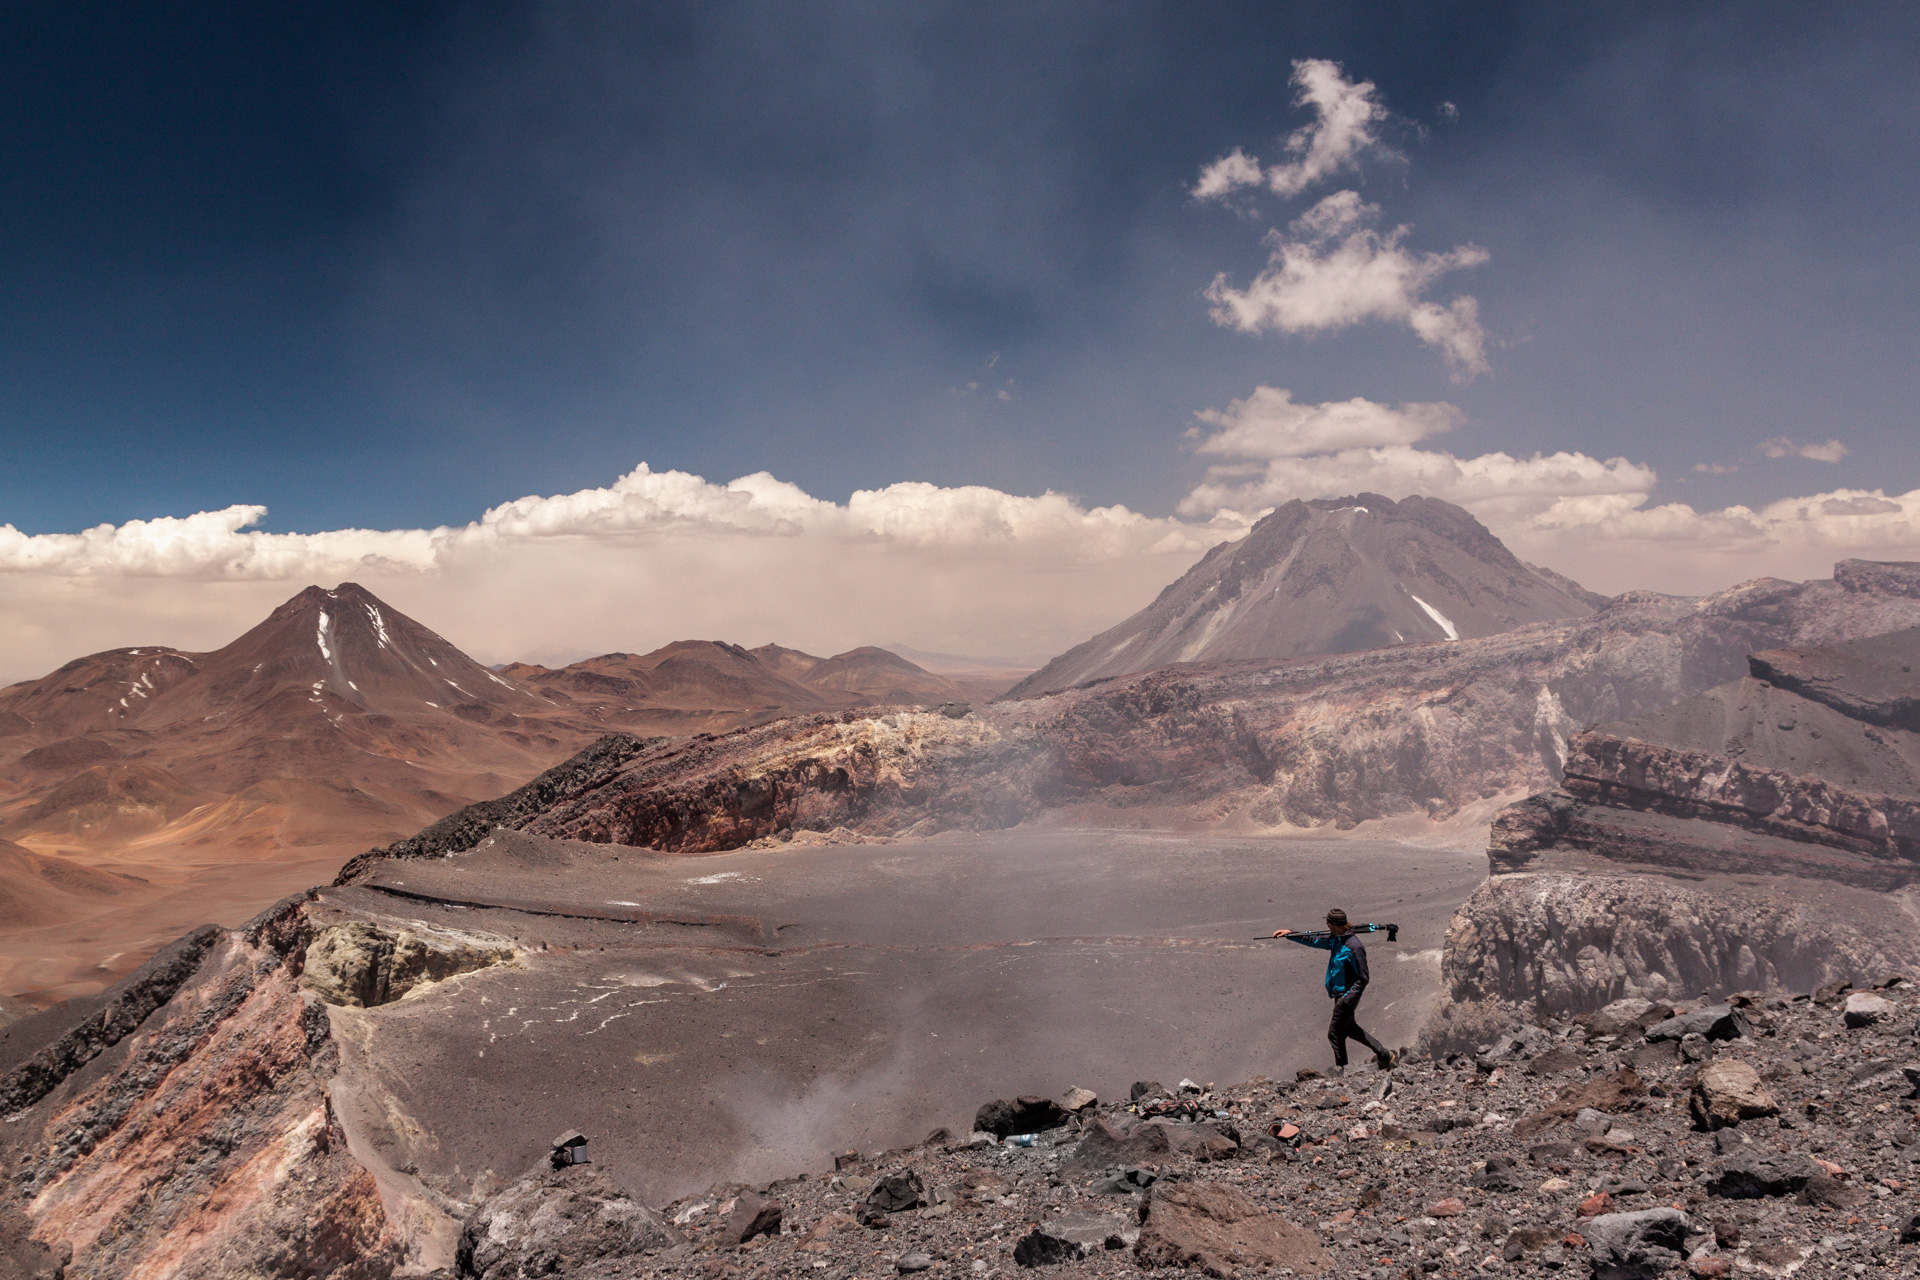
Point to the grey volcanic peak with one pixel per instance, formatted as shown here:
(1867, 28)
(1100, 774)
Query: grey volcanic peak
(1330, 575)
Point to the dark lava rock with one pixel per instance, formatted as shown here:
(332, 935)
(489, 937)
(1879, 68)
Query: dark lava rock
(1499, 1175)
(752, 1215)
(1833, 1193)
(1828, 994)
(1752, 1175)
(1109, 1143)
(1525, 1240)
(1041, 1248)
(897, 1192)
(556, 1221)
(1715, 1022)
(1029, 1113)
(1634, 1246)
(1145, 1088)
(1551, 1155)
(1123, 1182)
(1094, 1231)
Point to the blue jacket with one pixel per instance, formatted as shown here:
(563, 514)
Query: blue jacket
(1346, 967)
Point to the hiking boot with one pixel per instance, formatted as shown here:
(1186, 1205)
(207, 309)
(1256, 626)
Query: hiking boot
(1386, 1061)
(1337, 1070)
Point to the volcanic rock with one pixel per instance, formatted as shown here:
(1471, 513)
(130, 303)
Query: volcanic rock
(1028, 1113)
(1331, 575)
(1864, 1008)
(558, 1221)
(1560, 943)
(1750, 1175)
(1218, 1230)
(1810, 764)
(1042, 1248)
(752, 1215)
(361, 965)
(1635, 1246)
(1727, 1092)
(1500, 1175)
(1094, 1231)
(1715, 1022)
(1626, 1016)
(897, 1193)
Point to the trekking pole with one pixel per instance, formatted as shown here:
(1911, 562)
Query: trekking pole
(1391, 930)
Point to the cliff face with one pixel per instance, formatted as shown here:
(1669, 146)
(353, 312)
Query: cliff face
(1328, 741)
(1578, 934)
(1808, 762)
(1764, 833)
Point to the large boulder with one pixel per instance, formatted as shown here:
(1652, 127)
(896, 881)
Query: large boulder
(1636, 1246)
(556, 1222)
(752, 1215)
(1109, 1145)
(897, 1193)
(1218, 1230)
(1628, 1016)
(1028, 1113)
(1753, 1175)
(1073, 1237)
(1727, 1092)
(1715, 1022)
(1865, 1008)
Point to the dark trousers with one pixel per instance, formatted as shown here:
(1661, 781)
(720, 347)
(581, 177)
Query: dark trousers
(1343, 1028)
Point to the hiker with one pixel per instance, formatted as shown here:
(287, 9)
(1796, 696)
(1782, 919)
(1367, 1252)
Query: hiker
(1346, 983)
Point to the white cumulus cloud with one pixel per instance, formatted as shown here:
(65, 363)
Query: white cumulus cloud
(653, 557)
(1332, 269)
(1345, 114)
(1782, 447)
(1268, 424)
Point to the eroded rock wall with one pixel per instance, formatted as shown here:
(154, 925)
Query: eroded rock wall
(1565, 942)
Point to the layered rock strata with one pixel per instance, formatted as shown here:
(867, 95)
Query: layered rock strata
(1811, 763)
(1762, 834)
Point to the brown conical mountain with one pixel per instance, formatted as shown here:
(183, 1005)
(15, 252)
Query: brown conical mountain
(342, 648)
(881, 676)
(233, 777)
(1330, 575)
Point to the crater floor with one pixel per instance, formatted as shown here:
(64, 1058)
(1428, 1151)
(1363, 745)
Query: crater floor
(739, 1015)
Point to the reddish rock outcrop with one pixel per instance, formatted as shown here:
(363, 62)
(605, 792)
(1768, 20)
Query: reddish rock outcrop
(186, 1129)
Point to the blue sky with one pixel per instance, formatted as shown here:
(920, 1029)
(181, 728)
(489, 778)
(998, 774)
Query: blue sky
(389, 264)
(386, 266)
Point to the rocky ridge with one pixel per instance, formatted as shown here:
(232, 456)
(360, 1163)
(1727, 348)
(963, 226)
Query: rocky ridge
(1329, 741)
(1766, 1136)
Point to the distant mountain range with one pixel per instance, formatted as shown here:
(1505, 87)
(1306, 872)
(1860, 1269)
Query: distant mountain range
(145, 790)
(1330, 575)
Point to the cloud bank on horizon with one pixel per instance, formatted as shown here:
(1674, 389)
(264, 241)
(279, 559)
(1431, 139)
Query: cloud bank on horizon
(664, 555)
